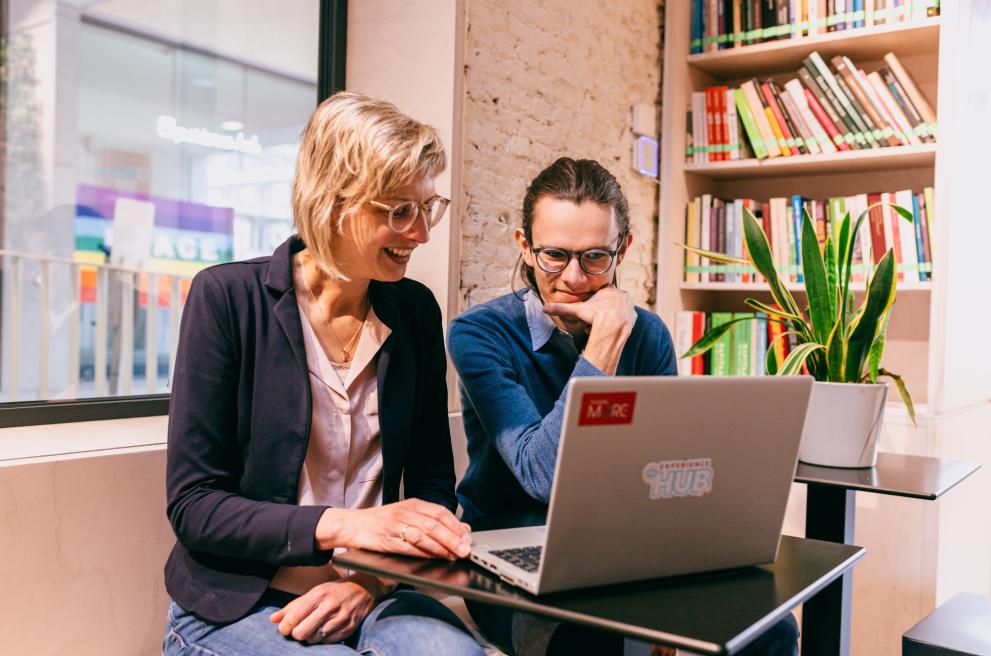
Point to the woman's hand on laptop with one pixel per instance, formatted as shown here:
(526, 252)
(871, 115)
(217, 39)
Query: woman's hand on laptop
(412, 527)
(609, 316)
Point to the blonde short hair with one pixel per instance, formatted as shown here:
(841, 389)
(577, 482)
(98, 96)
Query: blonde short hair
(354, 149)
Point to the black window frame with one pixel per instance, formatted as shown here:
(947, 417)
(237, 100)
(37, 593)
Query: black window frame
(331, 69)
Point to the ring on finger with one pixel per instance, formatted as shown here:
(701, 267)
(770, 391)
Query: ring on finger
(402, 532)
(321, 635)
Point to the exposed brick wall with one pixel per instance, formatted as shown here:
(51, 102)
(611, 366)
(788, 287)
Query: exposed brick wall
(542, 80)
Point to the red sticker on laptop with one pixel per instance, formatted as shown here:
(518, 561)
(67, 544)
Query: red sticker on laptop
(604, 408)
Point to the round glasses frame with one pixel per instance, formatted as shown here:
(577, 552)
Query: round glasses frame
(432, 211)
(540, 256)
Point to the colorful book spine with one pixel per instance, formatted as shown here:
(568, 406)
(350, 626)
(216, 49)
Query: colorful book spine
(906, 231)
(683, 340)
(718, 223)
(721, 24)
(760, 117)
(705, 227)
(732, 124)
(825, 113)
(742, 344)
(892, 232)
(760, 344)
(919, 243)
(793, 244)
(722, 349)
(750, 125)
(796, 209)
(692, 238)
(887, 101)
(793, 89)
(915, 96)
(930, 216)
(827, 84)
(698, 330)
(733, 230)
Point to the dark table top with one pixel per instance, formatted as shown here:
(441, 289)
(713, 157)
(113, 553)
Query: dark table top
(716, 613)
(907, 476)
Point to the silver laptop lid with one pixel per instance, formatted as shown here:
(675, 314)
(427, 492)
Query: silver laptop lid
(659, 476)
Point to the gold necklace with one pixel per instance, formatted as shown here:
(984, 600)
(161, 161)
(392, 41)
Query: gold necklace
(345, 349)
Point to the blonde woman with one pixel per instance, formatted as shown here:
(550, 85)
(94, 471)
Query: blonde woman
(307, 384)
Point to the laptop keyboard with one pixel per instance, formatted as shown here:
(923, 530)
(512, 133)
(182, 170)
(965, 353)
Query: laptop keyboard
(526, 558)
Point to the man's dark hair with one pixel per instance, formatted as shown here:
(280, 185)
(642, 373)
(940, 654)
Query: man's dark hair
(576, 181)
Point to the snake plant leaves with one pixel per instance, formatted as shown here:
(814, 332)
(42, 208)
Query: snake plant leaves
(880, 296)
(793, 363)
(843, 250)
(771, 360)
(829, 261)
(905, 214)
(902, 392)
(835, 353)
(821, 309)
(715, 257)
(760, 254)
(877, 349)
(770, 309)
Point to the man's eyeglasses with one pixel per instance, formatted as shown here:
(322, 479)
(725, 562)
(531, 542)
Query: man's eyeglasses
(594, 261)
(403, 216)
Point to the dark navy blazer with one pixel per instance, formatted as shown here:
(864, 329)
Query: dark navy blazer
(239, 423)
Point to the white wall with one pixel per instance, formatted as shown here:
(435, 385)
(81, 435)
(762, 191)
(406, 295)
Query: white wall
(83, 539)
(406, 52)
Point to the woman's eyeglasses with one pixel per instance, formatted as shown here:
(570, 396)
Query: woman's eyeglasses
(403, 216)
(594, 261)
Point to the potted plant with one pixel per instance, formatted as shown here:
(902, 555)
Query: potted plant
(839, 344)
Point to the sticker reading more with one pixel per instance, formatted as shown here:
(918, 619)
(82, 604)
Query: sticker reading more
(603, 408)
(679, 478)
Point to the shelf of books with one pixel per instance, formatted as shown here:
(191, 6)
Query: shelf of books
(919, 35)
(826, 112)
(850, 161)
(779, 107)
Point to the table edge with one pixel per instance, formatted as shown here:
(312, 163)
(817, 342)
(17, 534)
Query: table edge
(757, 629)
(628, 630)
(931, 496)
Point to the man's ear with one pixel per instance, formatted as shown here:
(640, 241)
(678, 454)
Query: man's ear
(525, 251)
(623, 248)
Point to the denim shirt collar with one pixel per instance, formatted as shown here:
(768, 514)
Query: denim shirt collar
(541, 326)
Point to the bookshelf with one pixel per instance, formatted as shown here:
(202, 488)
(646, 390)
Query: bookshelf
(851, 161)
(795, 288)
(920, 555)
(864, 43)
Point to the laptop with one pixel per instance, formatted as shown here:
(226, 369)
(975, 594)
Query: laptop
(659, 476)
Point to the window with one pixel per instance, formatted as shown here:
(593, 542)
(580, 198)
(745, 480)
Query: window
(143, 141)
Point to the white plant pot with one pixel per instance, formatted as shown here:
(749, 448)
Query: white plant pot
(843, 424)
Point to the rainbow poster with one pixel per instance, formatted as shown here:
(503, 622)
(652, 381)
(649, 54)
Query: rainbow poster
(185, 238)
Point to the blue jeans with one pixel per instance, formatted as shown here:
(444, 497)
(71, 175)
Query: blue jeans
(404, 623)
(522, 634)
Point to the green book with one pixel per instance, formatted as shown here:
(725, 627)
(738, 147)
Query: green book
(749, 124)
(742, 342)
(720, 362)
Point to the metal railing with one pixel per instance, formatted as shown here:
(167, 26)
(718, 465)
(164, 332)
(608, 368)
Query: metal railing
(113, 323)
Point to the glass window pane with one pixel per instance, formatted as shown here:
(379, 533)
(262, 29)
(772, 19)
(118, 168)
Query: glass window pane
(143, 141)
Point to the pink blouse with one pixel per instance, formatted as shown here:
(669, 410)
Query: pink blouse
(343, 465)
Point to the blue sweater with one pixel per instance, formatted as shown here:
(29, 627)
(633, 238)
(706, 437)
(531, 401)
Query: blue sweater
(514, 365)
